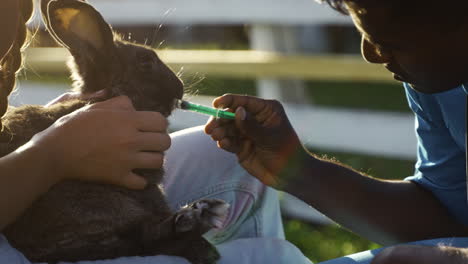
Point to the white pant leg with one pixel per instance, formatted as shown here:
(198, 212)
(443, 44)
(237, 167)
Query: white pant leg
(196, 168)
(9, 254)
(260, 250)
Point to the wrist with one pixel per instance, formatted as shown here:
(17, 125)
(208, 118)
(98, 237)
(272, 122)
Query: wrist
(300, 169)
(42, 162)
(25, 175)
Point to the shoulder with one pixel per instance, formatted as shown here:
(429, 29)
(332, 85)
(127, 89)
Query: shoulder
(437, 106)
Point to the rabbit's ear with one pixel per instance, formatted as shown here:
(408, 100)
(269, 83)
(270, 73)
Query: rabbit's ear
(77, 26)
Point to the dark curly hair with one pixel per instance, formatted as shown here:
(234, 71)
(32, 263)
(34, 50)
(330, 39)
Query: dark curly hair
(414, 7)
(441, 16)
(13, 60)
(338, 5)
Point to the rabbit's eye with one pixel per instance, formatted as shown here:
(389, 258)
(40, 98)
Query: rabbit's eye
(146, 66)
(145, 63)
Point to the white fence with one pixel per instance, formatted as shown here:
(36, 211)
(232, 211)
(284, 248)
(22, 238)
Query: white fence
(271, 12)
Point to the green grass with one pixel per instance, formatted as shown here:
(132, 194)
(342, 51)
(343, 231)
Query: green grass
(320, 243)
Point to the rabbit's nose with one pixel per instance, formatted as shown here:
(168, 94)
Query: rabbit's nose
(179, 89)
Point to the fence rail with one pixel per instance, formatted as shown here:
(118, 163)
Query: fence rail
(240, 64)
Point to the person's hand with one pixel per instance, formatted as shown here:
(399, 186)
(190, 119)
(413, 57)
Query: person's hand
(261, 135)
(416, 254)
(104, 142)
(76, 95)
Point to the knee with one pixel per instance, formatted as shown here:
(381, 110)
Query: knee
(401, 254)
(261, 250)
(283, 251)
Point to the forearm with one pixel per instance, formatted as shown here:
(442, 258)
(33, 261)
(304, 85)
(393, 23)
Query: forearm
(24, 175)
(387, 212)
(383, 211)
(415, 254)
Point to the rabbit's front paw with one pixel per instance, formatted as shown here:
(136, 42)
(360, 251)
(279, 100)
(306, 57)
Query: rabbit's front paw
(201, 215)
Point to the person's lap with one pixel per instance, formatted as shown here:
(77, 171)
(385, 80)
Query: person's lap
(196, 169)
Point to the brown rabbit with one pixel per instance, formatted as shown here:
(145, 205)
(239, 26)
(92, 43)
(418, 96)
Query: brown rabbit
(87, 221)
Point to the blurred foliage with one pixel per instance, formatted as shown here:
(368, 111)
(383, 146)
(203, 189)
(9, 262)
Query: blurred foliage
(320, 243)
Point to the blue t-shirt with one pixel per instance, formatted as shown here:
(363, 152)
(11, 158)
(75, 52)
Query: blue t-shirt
(440, 130)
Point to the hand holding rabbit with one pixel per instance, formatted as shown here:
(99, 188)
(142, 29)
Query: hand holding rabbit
(104, 142)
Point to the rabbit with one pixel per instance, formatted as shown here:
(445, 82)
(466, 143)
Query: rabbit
(78, 220)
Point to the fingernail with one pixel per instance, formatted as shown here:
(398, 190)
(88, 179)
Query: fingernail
(215, 103)
(240, 111)
(220, 105)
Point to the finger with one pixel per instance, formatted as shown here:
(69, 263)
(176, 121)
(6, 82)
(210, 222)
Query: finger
(117, 103)
(96, 95)
(151, 121)
(241, 115)
(154, 142)
(247, 124)
(132, 181)
(245, 151)
(148, 160)
(229, 145)
(211, 124)
(218, 133)
(225, 144)
(62, 98)
(252, 104)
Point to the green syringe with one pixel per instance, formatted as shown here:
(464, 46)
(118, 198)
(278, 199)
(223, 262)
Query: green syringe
(218, 113)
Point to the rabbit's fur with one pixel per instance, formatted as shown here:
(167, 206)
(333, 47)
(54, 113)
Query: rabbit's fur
(87, 221)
